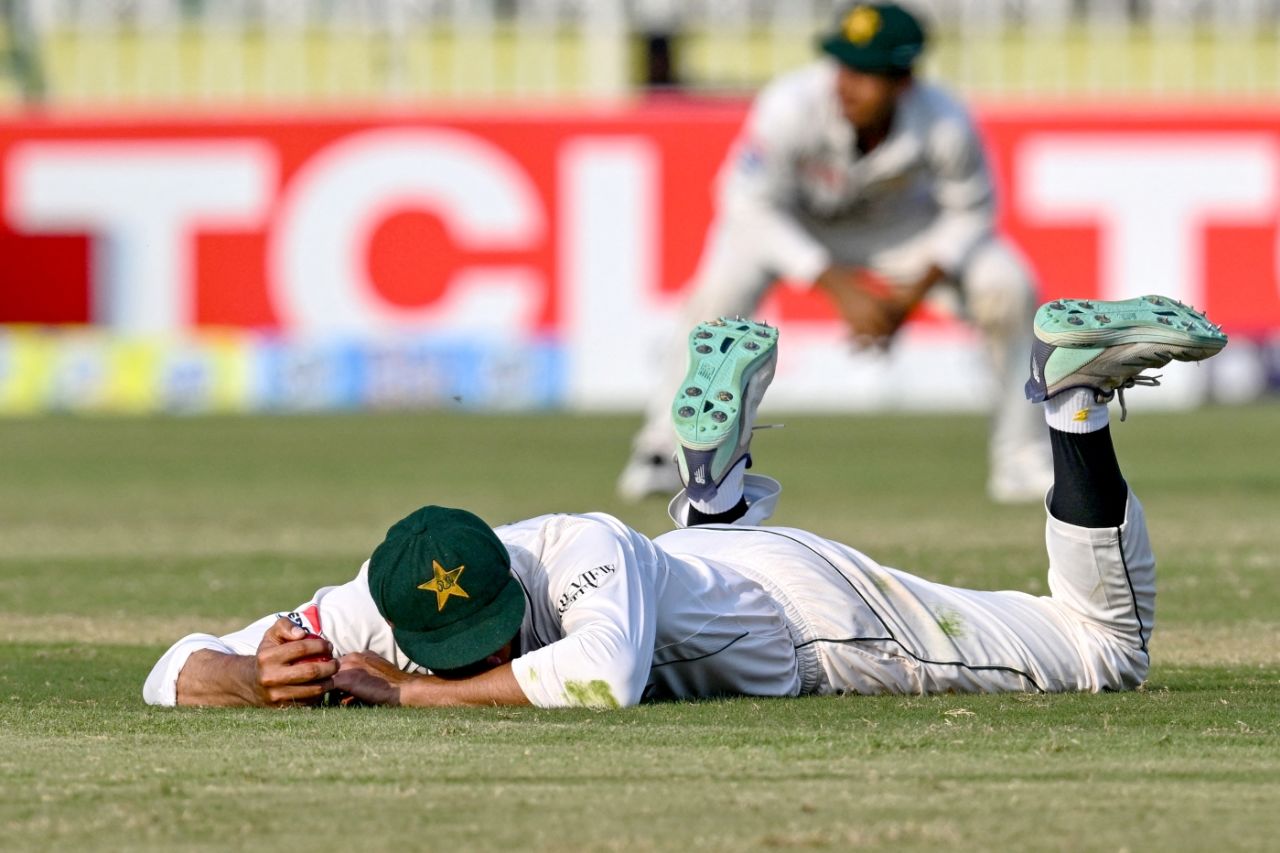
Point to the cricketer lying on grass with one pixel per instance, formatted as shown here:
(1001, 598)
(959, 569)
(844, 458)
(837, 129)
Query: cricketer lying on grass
(579, 609)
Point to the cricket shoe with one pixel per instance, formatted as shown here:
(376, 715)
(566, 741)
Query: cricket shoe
(731, 363)
(1105, 346)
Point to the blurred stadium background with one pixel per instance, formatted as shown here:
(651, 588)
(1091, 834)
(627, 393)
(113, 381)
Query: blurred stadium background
(239, 205)
(96, 53)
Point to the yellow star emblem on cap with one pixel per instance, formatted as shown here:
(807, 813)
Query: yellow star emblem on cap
(861, 25)
(444, 584)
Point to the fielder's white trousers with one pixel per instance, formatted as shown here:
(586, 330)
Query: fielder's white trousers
(902, 634)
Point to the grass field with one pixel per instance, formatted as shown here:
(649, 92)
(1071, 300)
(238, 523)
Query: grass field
(118, 536)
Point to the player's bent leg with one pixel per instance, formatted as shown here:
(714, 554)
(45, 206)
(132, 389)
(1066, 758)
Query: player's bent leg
(1101, 567)
(1106, 577)
(1000, 299)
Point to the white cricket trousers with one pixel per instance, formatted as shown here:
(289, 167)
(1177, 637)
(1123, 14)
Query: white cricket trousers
(870, 629)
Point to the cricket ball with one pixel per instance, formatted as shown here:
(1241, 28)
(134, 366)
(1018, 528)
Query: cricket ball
(320, 658)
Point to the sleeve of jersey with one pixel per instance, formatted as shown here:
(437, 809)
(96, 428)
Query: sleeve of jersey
(161, 686)
(606, 603)
(963, 191)
(758, 187)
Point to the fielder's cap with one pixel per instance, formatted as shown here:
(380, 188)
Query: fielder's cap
(443, 579)
(876, 38)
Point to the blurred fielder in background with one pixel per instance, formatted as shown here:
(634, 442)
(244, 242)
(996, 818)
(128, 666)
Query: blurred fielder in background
(854, 177)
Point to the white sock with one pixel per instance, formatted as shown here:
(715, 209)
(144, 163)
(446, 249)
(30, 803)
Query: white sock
(1076, 410)
(727, 495)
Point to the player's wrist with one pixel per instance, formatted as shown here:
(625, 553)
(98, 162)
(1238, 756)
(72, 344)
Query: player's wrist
(217, 678)
(932, 276)
(826, 279)
(416, 692)
(247, 681)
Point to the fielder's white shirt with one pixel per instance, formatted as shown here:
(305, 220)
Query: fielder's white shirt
(796, 162)
(610, 619)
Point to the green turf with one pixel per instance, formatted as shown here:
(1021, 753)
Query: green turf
(118, 535)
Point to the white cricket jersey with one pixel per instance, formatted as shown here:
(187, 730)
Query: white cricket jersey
(610, 620)
(796, 163)
(614, 619)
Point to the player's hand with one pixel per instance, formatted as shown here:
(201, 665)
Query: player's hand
(873, 309)
(371, 678)
(292, 666)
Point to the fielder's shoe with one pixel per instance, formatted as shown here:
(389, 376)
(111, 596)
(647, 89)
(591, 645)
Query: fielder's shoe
(731, 363)
(1106, 345)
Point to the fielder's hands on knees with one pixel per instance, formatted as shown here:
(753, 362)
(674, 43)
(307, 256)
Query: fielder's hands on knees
(290, 667)
(873, 308)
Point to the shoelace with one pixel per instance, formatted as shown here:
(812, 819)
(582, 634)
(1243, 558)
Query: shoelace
(1118, 393)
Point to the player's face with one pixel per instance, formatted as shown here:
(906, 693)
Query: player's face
(867, 99)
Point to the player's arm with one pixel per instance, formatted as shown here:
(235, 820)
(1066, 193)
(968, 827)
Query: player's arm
(873, 309)
(962, 188)
(758, 186)
(290, 666)
(602, 589)
(605, 603)
(377, 681)
(266, 662)
(594, 665)
(236, 669)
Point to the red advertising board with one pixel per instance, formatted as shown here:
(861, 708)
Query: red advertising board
(415, 232)
(313, 223)
(1111, 201)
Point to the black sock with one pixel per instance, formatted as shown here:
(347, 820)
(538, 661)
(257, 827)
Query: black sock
(727, 517)
(1088, 489)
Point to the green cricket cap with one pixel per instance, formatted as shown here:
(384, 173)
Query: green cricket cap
(876, 38)
(442, 578)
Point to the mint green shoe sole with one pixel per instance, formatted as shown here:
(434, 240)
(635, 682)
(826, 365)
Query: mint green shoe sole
(723, 356)
(1083, 323)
